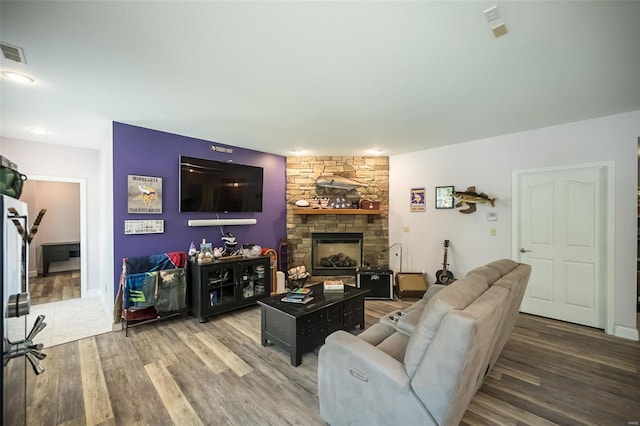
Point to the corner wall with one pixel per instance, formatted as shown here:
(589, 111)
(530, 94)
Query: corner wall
(61, 223)
(45, 159)
(146, 152)
(488, 164)
(302, 173)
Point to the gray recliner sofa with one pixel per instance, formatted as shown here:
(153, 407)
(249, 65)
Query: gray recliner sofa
(422, 366)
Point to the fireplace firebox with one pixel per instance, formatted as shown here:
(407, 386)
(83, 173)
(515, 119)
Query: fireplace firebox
(336, 253)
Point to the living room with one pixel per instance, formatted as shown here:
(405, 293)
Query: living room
(127, 146)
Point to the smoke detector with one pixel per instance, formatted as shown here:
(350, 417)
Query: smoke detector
(13, 53)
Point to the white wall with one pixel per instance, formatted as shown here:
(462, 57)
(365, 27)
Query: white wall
(42, 159)
(488, 164)
(105, 219)
(61, 222)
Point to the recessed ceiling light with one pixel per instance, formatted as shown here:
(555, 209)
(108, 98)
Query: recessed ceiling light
(17, 77)
(375, 151)
(40, 131)
(299, 152)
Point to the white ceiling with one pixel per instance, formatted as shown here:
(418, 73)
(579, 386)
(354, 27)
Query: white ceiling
(329, 77)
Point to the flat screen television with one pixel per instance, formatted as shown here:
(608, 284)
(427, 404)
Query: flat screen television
(217, 186)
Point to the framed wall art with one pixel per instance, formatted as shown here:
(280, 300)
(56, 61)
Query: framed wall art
(144, 194)
(444, 197)
(417, 199)
(132, 227)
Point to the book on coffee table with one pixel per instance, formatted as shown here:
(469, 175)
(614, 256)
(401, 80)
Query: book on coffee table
(303, 291)
(302, 301)
(299, 295)
(334, 286)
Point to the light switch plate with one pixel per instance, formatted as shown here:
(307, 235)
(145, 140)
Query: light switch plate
(492, 13)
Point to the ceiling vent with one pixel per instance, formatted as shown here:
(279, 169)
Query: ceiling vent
(13, 53)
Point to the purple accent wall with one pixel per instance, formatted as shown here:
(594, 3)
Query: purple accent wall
(146, 152)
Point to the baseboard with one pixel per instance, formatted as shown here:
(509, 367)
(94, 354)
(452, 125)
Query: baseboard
(108, 307)
(94, 293)
(625, 332)
(33, 274)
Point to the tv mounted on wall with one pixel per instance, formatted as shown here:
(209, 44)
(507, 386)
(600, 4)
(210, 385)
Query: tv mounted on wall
(217, 186)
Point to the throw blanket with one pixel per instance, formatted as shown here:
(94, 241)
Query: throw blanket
(143, 288)
(140, 290)
(155, 262)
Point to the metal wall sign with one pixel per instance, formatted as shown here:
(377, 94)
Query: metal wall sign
(144, 194)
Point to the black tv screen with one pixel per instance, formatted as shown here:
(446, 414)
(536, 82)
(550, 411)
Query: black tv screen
(216, 186)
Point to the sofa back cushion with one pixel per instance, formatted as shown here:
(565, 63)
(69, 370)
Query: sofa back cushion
(503, 266)
(456, 296)
(516, 282)
(446, 378)
(491, 275)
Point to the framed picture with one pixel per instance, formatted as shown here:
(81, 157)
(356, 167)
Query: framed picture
(144, 194)
(132, 227)
(444, 197)
(417, 199)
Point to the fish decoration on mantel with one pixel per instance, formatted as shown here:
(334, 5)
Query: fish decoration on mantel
(470, 198)
(338, 182)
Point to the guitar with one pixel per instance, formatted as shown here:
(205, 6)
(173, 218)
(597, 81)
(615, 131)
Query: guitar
(443, 276)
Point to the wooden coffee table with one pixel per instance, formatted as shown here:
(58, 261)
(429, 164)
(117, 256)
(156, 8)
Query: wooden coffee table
(298, 328)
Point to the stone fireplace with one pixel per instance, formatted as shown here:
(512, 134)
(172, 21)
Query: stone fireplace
(302, 173)
(336, 253)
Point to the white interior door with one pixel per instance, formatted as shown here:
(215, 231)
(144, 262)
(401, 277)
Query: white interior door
(561, 234)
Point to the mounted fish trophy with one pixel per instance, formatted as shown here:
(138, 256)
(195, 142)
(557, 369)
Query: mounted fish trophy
(338, 182)
(470, 198)
(336, 187)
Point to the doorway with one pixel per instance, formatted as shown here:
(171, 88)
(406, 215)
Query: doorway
(563, 227)
(62, 316)
(55, 271)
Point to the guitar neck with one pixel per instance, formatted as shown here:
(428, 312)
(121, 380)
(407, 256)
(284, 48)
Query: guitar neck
(444, 263)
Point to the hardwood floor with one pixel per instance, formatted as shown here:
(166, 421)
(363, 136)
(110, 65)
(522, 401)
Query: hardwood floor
(182, 372)
(56, 286)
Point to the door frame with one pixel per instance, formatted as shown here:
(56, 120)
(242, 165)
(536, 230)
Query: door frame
(83, 223)
(608, 168)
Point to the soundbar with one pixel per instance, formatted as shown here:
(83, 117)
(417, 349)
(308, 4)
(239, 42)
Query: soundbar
(217, 222)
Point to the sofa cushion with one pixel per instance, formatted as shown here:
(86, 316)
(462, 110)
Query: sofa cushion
(489, 273)
(407, 323)
(516, 282)
(457, 295)
(447, 377)
(375, 334)
(504, 266)
(386, 339)
(395, 345)
(412, 313)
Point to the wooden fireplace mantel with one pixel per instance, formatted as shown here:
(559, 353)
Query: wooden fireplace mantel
(305, 212)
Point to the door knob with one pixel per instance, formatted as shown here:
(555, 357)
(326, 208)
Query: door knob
(522, 250)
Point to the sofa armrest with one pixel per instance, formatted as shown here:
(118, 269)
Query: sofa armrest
(351, 369)
(353, 358)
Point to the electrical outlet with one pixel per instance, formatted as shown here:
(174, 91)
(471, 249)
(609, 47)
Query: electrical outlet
(405, 229)
(493, 232)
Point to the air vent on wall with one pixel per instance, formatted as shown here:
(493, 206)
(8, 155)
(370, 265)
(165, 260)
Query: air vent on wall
(13, 53)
